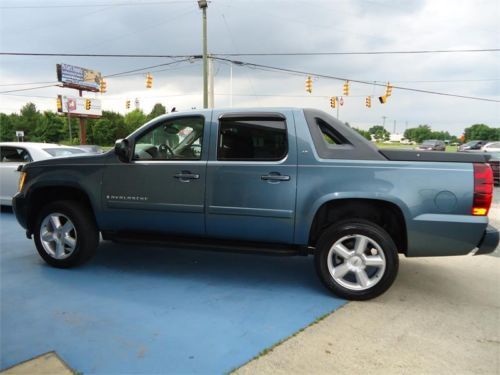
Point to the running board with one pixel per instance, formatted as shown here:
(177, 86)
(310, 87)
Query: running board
(199, 243)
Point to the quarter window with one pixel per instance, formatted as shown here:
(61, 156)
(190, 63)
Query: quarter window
(252, 139)
(179, 139)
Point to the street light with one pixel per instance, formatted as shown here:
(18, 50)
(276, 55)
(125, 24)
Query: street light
(203, 4)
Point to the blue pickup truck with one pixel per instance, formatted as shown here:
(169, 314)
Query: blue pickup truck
(276, 181)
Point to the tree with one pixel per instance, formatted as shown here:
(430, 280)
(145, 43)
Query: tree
(29, 121)
(418, 134)
(134, 119)
(7, 131)
(158, 110)
(51, 128)
(379, 133)
(482, 132)
(364, 133)
(109, 128)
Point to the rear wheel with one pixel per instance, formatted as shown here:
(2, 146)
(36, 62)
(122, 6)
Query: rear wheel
(356, 259)
(65, 234)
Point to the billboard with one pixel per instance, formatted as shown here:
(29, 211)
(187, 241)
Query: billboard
(78, 78)
(82, 107)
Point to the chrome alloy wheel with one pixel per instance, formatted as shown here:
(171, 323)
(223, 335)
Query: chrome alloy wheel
(58, 235)
(356, 262)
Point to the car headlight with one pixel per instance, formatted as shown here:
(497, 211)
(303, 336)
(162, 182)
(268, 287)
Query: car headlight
(22, 178)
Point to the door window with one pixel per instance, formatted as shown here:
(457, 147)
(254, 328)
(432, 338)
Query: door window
(14, 155)
(179, 139)
(252, 139)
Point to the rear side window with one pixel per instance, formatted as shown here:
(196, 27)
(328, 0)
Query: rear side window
(14, 155)
(260, 139)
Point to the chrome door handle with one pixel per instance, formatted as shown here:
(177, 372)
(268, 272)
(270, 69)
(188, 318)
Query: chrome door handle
(274, 177)
(187, 176)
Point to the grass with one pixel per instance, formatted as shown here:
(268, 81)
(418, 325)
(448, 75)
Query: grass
(409, 147)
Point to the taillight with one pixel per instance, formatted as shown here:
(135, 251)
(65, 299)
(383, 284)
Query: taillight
(483, 189)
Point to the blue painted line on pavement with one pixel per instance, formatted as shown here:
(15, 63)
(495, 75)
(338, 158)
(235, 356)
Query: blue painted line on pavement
(138, 309)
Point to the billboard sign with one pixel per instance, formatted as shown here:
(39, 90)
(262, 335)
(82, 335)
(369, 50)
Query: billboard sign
(78, 78)
(82, 107)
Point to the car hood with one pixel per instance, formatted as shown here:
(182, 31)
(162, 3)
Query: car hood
(79, 159)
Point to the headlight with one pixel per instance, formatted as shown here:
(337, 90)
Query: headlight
(22, 177)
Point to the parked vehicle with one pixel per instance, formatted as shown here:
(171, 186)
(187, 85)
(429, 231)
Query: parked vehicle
(491, 147)
(432, 145)
(472, 146)
(405, 141)
(93, 149)
(13, 154)
(282, 181)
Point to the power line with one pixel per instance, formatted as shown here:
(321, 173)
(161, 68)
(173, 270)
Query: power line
(359, 52)
(145, 68)
(93, 55)
(29, 88)
(91, 5)
(331, 53)
(293, 71)
(26, 83)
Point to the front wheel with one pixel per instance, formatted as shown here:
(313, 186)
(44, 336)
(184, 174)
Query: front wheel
(356, 259)
(65, 234)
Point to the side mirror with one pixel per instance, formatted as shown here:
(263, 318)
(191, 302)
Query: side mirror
(122, 150)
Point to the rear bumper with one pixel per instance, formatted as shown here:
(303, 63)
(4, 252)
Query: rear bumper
(489, 242)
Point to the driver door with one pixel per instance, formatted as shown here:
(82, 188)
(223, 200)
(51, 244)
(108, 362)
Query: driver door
(162, 189)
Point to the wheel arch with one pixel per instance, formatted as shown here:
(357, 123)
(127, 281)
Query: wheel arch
(385, 213)
(41, 195)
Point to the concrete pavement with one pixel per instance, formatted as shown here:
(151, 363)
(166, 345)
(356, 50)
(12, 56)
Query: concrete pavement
(442, 316)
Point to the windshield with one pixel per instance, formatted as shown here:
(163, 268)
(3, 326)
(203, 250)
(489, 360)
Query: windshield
(63, 151)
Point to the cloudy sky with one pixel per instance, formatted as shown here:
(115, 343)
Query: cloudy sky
(173, 27)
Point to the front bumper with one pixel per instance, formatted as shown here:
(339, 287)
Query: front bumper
(489, 242)
(19, 206)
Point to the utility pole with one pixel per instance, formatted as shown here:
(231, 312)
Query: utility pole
(383, 118)
(69, 122)
(210, 83)
(203, 4)
(231, 84)
(394, 130)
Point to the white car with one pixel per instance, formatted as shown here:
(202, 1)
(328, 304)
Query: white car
(14, 154)
(491, 147)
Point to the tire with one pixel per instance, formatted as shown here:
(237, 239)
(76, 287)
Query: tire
(65, 234)
(356, 259)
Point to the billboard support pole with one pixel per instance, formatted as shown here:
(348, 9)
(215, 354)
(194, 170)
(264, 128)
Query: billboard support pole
(69, 123)
(83, 130)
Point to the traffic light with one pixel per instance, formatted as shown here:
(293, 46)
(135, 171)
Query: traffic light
(59, 104)
(346, 88)
(388, 90)
(368, 102)
(127, 104)
(382, 99)
(103, 86)
(88, 104)
(149, 81)
(309, 84)
(333, 101)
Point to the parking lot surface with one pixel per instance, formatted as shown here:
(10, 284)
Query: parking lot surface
(136, 309)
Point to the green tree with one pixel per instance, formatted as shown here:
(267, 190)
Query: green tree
(51, 127)
(134, 119)
(29, 121)
(379, 133)
(418, 134)
(7, 131)
(482, 132)
(364, 133)
(109, 128)
(158, 110)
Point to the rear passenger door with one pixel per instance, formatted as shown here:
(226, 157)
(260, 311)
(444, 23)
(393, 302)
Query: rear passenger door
(252, 177)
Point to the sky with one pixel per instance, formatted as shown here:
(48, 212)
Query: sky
(174, 27)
